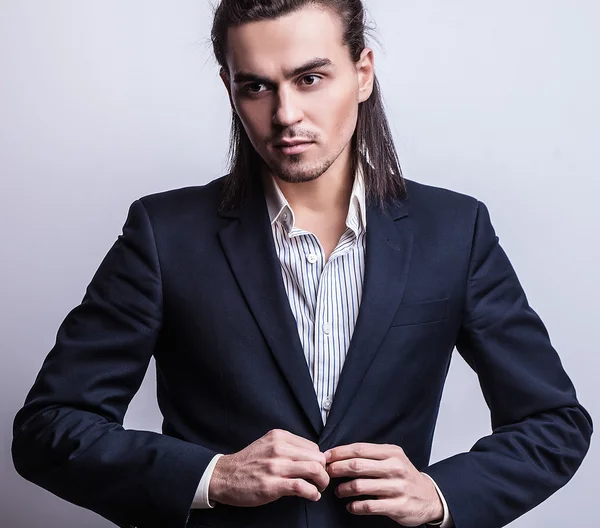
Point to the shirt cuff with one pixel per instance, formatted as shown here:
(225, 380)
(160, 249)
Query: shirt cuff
(201, 498)
(447, 521)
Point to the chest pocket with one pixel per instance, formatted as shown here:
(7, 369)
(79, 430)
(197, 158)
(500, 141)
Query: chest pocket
(421, 313)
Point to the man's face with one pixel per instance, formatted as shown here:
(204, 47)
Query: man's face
(296, 90)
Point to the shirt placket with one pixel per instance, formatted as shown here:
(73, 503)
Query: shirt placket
(321, 352)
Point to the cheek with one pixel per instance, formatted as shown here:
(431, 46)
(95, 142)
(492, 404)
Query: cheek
(256, 120)
(337, 114)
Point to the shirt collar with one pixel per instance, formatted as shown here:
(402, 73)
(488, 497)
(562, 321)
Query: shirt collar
(281, 212)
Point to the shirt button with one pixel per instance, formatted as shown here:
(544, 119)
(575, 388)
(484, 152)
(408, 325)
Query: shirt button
(312, 258)
(284, 216)
(327, 328)
(327, 404)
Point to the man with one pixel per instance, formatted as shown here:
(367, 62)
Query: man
(302, 312)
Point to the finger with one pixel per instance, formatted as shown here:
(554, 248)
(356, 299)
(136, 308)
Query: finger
(312, 472)
(363, 450)
(372, 507)
(293, 452)
(386, 488)
(281, 435)
(364, 467)
(299, 488)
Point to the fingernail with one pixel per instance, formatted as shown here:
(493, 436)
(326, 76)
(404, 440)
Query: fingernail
(327, 455)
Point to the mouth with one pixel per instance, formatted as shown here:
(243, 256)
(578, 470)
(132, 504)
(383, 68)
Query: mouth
(293, 147)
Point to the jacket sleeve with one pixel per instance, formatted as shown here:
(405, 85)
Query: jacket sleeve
(540, 431)
(69, 437)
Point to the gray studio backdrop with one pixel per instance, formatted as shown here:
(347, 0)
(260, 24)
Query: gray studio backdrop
(105, 101)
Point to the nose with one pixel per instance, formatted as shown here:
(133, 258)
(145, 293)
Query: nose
(287, 110)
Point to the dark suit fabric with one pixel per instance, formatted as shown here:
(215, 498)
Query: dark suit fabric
(202, 292)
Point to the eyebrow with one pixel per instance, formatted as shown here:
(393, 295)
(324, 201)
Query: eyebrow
(313, 64)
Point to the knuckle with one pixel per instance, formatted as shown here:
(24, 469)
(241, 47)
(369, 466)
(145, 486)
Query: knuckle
(315, 468)
(263, 488)
(271, 467)
(277, 450)
(355, 465)
(401, 468)
(369, 507)
(275, 434)
(296, 486)
(356, 486)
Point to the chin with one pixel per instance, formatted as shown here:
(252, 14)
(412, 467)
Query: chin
(298, 172)
(296, 176)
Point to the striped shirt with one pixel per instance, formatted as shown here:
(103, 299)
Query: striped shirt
(324, 296)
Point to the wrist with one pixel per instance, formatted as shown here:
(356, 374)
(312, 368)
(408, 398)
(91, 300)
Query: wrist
(437, 522)
(218, 481)
(436, 512)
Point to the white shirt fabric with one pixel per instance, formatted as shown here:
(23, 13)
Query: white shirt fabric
(324, 298)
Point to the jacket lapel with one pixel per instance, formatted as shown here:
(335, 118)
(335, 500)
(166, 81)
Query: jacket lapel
(249, 247)
(389, 248)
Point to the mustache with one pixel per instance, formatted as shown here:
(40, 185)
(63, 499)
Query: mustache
(294, 134)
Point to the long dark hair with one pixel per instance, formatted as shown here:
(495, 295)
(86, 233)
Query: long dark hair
(372, 142)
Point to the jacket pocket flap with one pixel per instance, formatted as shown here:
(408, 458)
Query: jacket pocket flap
(423, 312)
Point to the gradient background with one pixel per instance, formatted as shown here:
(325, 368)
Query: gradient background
(102, 102)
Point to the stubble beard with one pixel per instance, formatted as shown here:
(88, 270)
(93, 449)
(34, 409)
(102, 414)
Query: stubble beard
(297, 171)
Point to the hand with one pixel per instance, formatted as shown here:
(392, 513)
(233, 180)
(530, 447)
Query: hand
(278, 464)
(383, 470)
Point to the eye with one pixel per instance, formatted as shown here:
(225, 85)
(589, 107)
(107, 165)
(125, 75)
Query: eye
(313, 79)
(254, 88)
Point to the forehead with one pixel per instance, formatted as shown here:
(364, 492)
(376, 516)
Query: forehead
(271, 46)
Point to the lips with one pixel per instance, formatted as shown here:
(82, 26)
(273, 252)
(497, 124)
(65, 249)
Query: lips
(296, 146)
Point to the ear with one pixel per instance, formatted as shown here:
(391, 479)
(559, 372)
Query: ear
(365, 69)
(225, 78)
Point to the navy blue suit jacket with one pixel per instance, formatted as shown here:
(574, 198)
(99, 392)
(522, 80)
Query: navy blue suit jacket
(202, 292)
